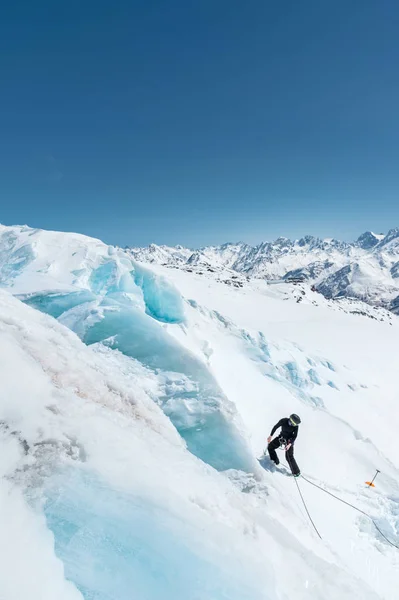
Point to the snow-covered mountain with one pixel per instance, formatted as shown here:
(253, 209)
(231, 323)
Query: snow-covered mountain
(367, 269)
(135, 402)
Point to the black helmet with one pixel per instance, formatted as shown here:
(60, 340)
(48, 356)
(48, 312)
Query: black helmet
(295, 420)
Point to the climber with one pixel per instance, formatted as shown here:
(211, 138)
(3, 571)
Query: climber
(286, 438)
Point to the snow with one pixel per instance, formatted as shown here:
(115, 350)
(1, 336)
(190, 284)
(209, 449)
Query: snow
(132, 415)
(378, 236)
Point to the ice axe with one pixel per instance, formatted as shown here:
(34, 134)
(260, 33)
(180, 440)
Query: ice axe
(370, 483)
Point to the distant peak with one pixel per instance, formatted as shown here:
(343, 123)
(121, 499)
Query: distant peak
(391, 235)
(282, 242)
(368, 240)
(306, 240)
(232, 244)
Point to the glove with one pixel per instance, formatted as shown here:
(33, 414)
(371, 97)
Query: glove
(269, 439)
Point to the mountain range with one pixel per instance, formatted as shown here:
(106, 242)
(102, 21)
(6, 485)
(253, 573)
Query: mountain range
(366, 269)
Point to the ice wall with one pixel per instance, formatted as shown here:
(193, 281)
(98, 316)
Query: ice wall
(125, 307)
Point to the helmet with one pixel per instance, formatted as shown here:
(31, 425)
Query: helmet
(294, 419)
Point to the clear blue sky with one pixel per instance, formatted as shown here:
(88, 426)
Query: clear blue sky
(200, 121)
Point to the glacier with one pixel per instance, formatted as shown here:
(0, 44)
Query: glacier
(123, 304)
(130, 444)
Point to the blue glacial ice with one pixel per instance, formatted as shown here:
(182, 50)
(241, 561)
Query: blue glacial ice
(314, 376)
(55, 304)
(161, 300)
(126, 309)
(13, 259)
(104, 279)
(116, 545)
(195, 409)
(295, 375)
(332, 385)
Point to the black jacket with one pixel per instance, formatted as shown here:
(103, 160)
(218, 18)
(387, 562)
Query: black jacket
(288, 432)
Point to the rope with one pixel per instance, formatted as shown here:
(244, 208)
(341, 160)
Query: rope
(352, 506)
(306, 508)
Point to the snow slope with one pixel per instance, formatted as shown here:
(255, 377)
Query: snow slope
(367, 269)
(129, 455)
(131, 511)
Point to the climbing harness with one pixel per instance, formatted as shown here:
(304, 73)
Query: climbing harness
(348, 504)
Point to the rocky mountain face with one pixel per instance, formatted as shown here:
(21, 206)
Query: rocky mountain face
(366, 269)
